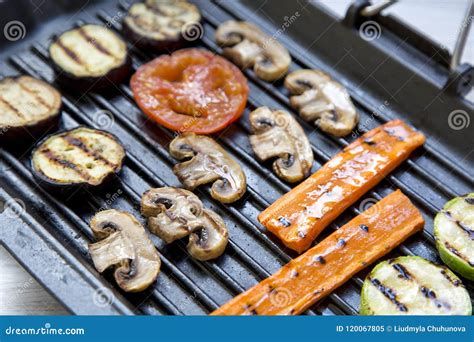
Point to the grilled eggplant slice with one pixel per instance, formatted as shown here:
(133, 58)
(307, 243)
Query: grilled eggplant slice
(125, 246)
(90, 57)
(411, 285)
(28, 108)
(162, 24)
(81, 156)
(454, 233)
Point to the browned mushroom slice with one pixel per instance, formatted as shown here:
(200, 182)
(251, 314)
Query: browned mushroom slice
(209, 162)
(277, 134)
(322, 100)
(175, 213)
(125, 246)
(247, 46)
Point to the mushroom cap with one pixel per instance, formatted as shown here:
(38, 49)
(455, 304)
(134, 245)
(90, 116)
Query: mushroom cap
(278, 134)
(248, 46)
(322, 100)
(124, 245)
(174, 213)
(171, 212)
(210, 241)
(208, 162)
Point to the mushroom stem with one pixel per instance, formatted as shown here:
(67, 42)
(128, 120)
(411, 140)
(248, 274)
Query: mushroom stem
(185, 216)
(196, 171)
(110, 251)
(323, 101)
(269, 145)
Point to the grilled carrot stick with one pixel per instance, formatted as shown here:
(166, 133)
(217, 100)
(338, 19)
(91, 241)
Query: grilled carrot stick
(299, 216)
(316, 273)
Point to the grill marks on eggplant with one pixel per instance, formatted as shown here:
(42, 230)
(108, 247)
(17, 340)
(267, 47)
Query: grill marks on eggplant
(26, 101)
(88, 51)
(81, 155)
(162, 25)
(413, 285)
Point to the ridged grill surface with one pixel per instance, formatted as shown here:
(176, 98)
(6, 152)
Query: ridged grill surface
(187, 286)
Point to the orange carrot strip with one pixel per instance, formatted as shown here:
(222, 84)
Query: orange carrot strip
(316, 273)
(299, 216)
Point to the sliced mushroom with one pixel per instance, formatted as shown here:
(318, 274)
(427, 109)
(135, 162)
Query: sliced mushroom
(277, 134)
(209, 163)
(322, 100)
(125, 246)
(247, 46)
(175, 213)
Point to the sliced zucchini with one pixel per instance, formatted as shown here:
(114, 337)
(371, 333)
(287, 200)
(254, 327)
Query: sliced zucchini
(411, 285)
(162, 24)
(77, 157)
(90, 57)
(28, 108)
(454, 233)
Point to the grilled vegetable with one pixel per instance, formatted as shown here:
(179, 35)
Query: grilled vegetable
(247, 46)
(412, 285)
(162, 24)
(277, 134)
(208, 162)
(313, 275)
(125, 246)
(90, 57)
(454, 232)
(175, 213)
(323, 101)
(301, 214)
(81, 156)
(28, 108)
(191, 90)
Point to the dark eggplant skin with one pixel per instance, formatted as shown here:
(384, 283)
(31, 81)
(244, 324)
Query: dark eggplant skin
(70, 81)
(113, 77)
(188, 14)
(155, 45)
(19, 137)
(110, 182)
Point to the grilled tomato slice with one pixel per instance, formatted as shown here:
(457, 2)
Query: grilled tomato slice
(191, 90)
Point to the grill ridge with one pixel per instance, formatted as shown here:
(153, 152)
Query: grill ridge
(341, 301)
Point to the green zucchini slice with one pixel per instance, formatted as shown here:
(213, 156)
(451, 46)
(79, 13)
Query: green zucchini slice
(454, 233)
(76, 157)
(411, 285)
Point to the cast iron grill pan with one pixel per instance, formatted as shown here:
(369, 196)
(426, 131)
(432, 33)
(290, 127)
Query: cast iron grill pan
(186, 286)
